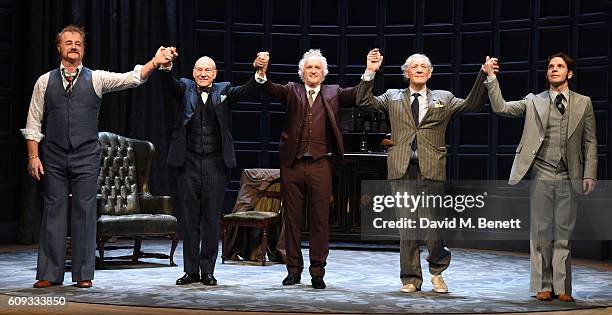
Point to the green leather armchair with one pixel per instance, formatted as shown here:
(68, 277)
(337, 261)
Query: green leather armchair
(126, 208)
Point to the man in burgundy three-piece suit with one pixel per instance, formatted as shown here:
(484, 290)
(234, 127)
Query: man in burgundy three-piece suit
(310, 136)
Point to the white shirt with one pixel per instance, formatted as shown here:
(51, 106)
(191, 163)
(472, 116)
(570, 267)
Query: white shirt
(103, 82)
(316, 91)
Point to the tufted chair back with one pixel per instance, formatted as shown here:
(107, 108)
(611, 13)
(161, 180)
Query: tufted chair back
(124, 173)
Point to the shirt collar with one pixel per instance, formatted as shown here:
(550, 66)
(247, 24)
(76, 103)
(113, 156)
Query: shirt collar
(422, 92)
(317, 89)
(553, 94)
(80, 67)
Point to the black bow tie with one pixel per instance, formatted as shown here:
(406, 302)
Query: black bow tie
(206, 89)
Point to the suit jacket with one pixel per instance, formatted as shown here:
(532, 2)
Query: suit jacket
(431, 130)
(294, 96)
(581, 137)
(222, 95)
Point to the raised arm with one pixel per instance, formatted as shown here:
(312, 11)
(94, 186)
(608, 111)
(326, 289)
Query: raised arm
(364, 96)
(498, 104)
(250, 88)
(475, 100)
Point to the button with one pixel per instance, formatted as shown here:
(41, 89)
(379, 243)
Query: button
(541, 139)
(533, 152)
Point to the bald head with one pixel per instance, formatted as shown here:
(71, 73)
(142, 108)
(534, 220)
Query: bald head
(204, 71)
(205, 61)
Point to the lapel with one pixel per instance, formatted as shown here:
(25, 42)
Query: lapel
(327, 104)
(302, 98)
(431, 102)
(193, 99)
(575, 108)
(542, 106)
(408, 107)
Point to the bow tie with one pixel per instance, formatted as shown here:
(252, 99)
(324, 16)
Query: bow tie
(206, 89)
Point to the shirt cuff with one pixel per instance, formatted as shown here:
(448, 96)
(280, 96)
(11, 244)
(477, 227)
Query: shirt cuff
(166, 68)
(368, 76)
(136, 74)
(30, 134)
(260, 79)
(490, 79)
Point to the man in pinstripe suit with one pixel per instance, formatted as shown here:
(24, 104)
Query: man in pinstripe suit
(419, 117)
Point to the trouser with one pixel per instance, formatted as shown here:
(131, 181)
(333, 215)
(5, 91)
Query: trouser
(410, 259)
(68, 171)
(202, 184)
(553, 216)
(308, 183)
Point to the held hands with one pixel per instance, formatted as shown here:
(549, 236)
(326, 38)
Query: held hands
(261, 62)
(164, 56)
(588, 185)
(374, 60)
(35, 168)
(490, 67)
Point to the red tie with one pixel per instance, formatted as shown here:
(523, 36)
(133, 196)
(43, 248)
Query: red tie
(70, 79)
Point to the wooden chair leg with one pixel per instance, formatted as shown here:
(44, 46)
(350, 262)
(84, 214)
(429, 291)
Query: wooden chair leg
(137, 246)
(223, 241)
(264, 244)
(100, 241)
(173, 248)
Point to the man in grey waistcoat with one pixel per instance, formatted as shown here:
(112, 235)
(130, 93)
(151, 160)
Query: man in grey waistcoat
(559, 147)
(63, 119)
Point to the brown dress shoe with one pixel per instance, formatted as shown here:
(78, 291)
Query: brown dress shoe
(565, 298)
(544, 296)
(84, 284)
(44, 284)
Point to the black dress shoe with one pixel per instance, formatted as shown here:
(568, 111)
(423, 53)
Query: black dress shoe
(291, 279)
(318, 283)
(188, 278)
(208, 279)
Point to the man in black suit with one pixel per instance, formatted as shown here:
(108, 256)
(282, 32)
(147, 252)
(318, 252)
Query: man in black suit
(201, 153)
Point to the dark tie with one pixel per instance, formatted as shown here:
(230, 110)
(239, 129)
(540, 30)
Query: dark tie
(559, 103)
(415, 116)
(70, 79)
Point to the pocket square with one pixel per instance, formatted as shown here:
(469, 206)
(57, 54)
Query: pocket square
(222, 97)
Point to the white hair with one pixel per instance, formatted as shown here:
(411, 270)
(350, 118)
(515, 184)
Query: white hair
(312, 53)
(411, 59)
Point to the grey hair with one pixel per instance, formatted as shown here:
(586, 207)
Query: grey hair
(312, 53)
(411, 59)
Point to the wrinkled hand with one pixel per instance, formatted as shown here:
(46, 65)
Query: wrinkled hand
(491, 66)
(588, 185)
(374, 60)
(261, 62)
(35, 168)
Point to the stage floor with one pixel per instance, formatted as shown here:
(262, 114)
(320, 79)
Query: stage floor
(359, 281)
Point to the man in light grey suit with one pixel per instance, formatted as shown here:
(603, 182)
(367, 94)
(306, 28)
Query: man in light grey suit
(419, 117)
(559, 147)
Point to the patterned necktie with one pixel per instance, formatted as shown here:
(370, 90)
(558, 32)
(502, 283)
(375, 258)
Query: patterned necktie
(559, 103)
(311, 97)
(70, 79)
(415, 116)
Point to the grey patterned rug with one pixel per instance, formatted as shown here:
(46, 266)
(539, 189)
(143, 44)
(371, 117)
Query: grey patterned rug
(359, 281)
